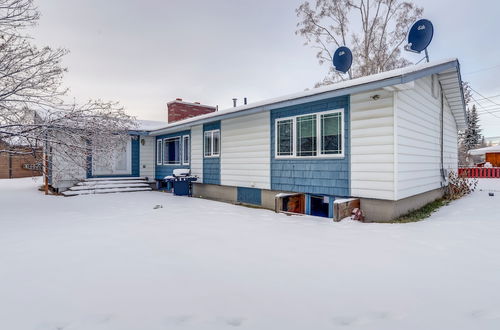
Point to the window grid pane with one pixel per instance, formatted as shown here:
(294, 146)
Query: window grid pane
(216, 143)
(285, 140)
(208, 143)
(331, 136)
(306, 136)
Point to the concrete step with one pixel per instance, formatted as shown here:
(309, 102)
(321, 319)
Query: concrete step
(110, 185)
(119, 178)
(95, 183)
(69, 193)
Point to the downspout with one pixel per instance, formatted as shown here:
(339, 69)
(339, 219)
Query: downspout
(443, 175)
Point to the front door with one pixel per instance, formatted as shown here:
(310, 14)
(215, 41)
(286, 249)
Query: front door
(117, 162)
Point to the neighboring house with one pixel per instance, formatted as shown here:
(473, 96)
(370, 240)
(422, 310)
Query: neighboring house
(388, 139)
(19, 161)
(489, 154)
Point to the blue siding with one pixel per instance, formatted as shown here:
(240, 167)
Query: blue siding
(250, 195)
(328, 177)
(162, 171)
(211, 166)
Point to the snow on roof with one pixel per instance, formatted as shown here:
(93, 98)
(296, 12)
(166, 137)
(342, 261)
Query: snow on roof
(482, 151)
(150, 125)
(340, 86)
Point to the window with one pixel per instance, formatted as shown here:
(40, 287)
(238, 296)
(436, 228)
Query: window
(171, 151)
(284, 130)
(307, 138)
(313, 135)
(159, 152)
(331, 135)
(212, 143)
(185, 150)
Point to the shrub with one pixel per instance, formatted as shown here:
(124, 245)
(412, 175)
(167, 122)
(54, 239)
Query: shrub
(459, 186)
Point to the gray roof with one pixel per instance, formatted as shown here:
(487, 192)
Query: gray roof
(448, 72)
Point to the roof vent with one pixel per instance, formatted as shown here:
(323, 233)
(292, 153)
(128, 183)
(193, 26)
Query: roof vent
(178, 99)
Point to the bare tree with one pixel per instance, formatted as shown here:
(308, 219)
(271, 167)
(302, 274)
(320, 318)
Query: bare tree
(32, 108)
(374, 30)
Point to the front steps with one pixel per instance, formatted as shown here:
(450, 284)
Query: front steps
(108, 185)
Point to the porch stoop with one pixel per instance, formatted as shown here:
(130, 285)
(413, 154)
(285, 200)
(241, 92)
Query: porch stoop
(108, 185)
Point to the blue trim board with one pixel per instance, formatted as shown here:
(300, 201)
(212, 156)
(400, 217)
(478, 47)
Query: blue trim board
(211, 165)
(136, 157)
(322, 176)
(249, 195)
(162, 171)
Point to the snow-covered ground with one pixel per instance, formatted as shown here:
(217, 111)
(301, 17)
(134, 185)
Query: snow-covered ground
(115, 262)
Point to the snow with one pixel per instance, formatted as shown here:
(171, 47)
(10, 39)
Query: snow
(121, 262)
(150, 125)
(314, 91)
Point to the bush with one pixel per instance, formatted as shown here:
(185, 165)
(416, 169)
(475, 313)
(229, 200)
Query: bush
(459, 186)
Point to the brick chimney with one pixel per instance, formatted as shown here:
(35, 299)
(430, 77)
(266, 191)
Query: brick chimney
(179, 110)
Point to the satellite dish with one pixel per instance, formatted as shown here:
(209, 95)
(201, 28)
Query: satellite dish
(342, 59)
(420, 36)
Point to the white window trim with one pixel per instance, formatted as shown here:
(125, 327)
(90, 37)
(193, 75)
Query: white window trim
(159, 160)
(318, 136)
(183, 150)
(211, 133)
(180, 151)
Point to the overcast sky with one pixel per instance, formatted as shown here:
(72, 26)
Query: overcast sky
(145, 53)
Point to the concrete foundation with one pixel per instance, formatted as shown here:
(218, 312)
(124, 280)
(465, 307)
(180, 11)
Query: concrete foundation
(215, 192)
(378, 210)
(374, 210)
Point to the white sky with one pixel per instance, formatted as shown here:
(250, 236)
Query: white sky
(145, 53)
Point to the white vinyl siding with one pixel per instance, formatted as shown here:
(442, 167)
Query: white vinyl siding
(147, 156)
(197, 152)
(419, 139)
(186, 153)
(372, 145)
(159, 151)
(245, 161)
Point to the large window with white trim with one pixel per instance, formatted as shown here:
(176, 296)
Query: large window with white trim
(159, 152)
(185, 150)
(212, 143)
(172, 151)
(312, 135)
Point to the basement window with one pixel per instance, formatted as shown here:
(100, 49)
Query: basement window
(320, 206)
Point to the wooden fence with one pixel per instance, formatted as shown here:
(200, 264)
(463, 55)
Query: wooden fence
(480, 172)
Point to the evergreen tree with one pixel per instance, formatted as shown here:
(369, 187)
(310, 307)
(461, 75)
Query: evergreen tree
(472, 137)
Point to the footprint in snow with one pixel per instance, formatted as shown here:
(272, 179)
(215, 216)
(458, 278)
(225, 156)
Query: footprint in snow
(235, 321)
(180, 319)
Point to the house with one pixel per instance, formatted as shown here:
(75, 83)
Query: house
(388, 139)
(491, 154)
(19, 161)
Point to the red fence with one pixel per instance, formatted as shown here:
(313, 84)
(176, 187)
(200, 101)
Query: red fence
(480, 172)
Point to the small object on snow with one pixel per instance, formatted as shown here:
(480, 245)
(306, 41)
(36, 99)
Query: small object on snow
(491, 194)
(158, 206)
(357, 214)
